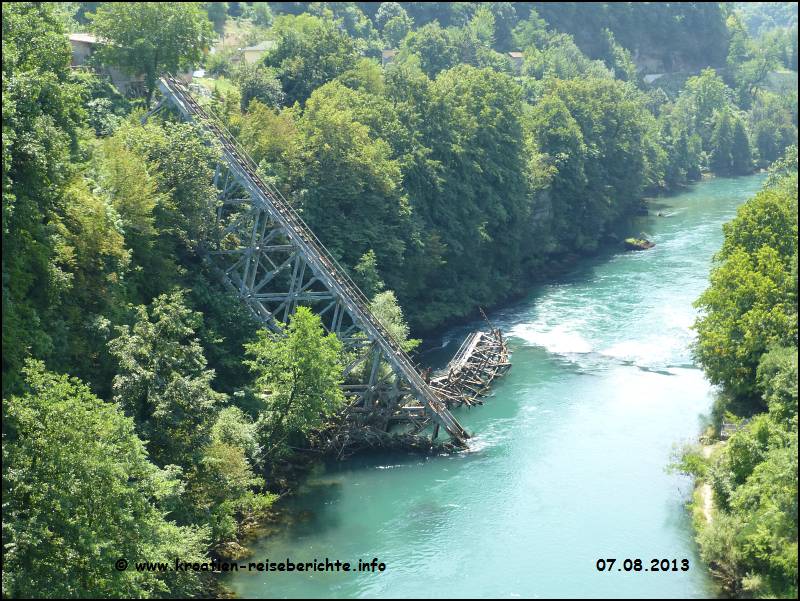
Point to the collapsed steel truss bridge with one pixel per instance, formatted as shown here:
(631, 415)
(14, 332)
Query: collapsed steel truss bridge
(272, 260)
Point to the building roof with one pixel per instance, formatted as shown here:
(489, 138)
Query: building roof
(389, 53)
(86, 38)
(515, 54)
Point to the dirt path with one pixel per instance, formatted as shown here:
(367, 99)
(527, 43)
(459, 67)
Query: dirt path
(707, 497)
(706, 493)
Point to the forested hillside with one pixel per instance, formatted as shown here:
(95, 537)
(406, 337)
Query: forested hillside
(662, 36)
(443, 172)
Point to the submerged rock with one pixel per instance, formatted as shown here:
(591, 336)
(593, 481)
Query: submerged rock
(638, 244)
(231, 550)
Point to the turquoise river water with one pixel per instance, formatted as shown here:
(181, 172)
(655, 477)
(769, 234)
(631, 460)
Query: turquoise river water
(567, 463)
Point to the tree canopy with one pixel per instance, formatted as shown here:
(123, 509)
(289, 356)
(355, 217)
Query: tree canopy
(152, 37)
(79, 492)
(747, 343)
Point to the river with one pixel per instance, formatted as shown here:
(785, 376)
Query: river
(568, 460)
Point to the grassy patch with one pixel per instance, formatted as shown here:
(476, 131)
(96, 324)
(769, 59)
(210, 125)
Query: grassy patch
(220, 84)
(240, 33)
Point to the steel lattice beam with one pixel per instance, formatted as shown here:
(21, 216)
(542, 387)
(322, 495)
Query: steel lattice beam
(273, 261)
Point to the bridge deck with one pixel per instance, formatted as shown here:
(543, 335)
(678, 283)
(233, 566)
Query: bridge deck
(481, 359)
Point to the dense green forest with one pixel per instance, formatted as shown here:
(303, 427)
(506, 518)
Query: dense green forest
(747, 344)
(445, 173)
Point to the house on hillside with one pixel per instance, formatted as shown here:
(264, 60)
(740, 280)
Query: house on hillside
(387, 56)
(651, 77)
(516, 61)
(253, 54)
(84, 45)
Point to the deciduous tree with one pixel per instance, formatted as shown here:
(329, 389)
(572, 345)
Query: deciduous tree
(298, 376)
(79, 494)
(152, 37)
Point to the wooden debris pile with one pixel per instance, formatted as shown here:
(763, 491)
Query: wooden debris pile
(468, 377)
(465, 381)
(343, 440)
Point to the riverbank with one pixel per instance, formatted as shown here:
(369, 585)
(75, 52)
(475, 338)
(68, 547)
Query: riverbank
(706, 494)
(747, 527)
(702, 503)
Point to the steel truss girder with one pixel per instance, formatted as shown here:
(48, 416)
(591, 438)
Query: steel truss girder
(273, 262)
(270, 275)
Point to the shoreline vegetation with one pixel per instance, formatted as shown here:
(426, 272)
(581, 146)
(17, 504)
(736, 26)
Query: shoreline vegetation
(745, 467)
(447, 154)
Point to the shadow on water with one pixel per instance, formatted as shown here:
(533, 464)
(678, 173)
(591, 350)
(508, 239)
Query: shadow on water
(314, 508)
(310, 511)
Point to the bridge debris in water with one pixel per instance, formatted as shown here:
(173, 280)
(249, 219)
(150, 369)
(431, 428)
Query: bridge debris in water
(467, 378)
(465, 381)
